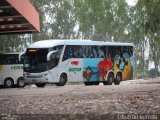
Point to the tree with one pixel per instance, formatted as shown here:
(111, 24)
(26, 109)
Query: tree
(13, 43)
(150, 23)
(107, 20)
(57, 19)
(101, 20)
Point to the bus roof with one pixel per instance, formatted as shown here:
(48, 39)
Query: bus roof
(55, 42)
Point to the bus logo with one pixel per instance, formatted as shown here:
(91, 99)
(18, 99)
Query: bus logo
(16, 67)
(75, 63)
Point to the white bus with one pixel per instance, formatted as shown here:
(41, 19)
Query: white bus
(11, 70)
(91, 62)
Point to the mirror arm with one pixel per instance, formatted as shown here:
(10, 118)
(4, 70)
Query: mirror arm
(50, 53)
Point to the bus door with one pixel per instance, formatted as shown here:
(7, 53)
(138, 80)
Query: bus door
(73, 69)
(72, 63)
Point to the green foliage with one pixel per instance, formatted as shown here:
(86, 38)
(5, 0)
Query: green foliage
(57, 19)
(149, 22)
(153, 73)
(107, 20)
(12, 43)
(101, 20)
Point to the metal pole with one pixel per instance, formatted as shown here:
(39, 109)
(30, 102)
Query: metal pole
(31, 38)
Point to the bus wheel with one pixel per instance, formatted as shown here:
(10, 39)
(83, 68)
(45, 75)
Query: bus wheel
(110, 79)
(62, 80)
(118, 79)
(40, 84)
(20, 82)
(8, 83)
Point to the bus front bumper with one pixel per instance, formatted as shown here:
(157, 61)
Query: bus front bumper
(35, 80)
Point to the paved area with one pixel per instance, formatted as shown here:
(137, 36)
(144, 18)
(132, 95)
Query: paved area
(125, 86)
(134, 98)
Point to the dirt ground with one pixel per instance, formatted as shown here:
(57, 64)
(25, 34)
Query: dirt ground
(74, 102)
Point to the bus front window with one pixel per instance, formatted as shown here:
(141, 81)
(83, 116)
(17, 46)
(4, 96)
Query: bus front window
(35, 60)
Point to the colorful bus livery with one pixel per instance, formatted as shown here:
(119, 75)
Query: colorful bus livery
(100, 69)
(11, 70)
(99, 62)
(91, 62)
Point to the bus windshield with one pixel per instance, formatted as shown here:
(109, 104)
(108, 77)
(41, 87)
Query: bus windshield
(36, 59)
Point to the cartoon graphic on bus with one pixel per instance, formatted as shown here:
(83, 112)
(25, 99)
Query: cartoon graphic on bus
(104, 66)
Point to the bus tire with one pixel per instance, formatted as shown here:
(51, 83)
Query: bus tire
(20, 82)
(8, 83)
(62, 80)
(118, 79)
(40, 84)
(110, 79)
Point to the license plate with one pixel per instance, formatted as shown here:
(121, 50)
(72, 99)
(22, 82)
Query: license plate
(33, 81)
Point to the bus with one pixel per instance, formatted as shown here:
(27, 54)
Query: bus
(61, 61)
(11, 70)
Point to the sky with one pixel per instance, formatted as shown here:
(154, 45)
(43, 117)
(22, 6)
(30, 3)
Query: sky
(131, 2)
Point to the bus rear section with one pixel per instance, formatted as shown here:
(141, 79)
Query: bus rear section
(92, 64)
(11, 70)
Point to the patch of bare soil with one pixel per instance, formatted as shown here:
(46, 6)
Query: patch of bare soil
(69, 106)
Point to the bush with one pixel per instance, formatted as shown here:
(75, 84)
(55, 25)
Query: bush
(153, 73)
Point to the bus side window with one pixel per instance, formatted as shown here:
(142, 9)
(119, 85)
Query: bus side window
(70, 52)
(65, 55)
(2, 59)
(80, 51)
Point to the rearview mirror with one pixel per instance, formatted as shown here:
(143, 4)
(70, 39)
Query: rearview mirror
(50, 53)
(20, 56)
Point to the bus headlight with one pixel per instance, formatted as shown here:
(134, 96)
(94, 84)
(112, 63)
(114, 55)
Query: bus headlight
(43, 75)
(26, 74)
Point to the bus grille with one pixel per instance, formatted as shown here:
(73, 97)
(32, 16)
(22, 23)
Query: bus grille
(33, 76)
